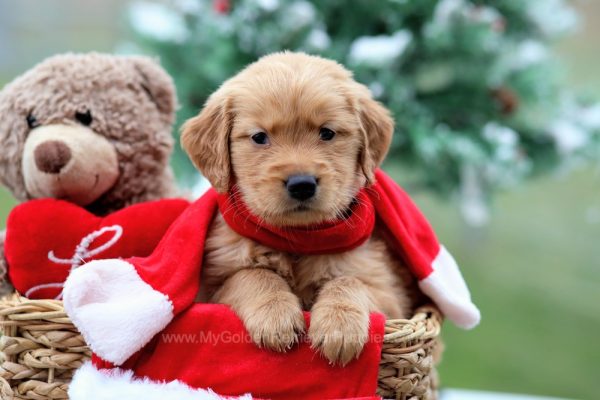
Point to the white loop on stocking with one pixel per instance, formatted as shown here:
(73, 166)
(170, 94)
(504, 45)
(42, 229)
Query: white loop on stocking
(82, 254)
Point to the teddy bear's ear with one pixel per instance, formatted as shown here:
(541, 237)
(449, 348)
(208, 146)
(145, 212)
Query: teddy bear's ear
(13, 128)
(156, 83)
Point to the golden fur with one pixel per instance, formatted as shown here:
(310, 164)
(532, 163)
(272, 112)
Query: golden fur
(290, 96)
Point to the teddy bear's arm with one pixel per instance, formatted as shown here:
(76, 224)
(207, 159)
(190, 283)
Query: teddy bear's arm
(5, 286)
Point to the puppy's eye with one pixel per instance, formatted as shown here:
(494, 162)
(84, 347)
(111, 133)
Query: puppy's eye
(260, 138)
(84, 118)
(32, 122)
(326, 134)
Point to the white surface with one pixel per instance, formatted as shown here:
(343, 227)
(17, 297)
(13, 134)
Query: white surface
(380, 50)
(447, 288)
(114, 309)
(456, 394)
(91, 384)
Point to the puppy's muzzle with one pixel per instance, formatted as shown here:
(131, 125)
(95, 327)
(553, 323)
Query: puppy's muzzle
(301, 187)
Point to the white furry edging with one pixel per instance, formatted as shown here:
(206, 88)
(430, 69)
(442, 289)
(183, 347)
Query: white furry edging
(90, 383)
(447, 288)
(114, 309)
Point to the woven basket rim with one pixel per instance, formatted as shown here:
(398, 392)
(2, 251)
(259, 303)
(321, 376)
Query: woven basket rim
(406, 369)
(16, 310)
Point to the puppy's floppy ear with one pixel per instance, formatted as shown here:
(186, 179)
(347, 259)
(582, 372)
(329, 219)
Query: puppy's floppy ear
(377, 127)
(205, 138)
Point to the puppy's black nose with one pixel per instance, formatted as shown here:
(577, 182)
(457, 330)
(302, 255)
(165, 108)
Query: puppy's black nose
(301, 187)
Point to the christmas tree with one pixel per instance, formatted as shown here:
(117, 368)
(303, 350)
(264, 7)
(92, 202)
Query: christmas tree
(474, 87)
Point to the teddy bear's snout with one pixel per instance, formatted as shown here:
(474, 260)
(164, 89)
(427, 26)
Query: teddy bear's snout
(52, 156)
(70, 162)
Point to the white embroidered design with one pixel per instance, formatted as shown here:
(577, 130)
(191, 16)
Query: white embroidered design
(82, 253)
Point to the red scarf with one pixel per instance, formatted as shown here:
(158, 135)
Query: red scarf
(334, 236)
(410, 233)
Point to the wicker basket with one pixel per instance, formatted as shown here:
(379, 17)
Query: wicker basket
(40, 349)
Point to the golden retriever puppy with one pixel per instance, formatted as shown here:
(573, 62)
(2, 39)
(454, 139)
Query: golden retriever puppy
(299, 138)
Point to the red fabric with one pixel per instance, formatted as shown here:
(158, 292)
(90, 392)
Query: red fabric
(207, 346)
(325, 238)
(173, 268)
(236, 368)
(409, 231)
(38, 227)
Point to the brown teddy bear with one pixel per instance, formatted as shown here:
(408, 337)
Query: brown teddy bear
(91, 129)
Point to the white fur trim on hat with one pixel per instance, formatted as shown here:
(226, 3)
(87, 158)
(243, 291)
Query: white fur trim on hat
(114, 309)
(90, 383)
(447, 288)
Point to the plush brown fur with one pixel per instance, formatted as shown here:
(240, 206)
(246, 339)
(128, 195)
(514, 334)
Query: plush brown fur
(290, 96)
(119, 159)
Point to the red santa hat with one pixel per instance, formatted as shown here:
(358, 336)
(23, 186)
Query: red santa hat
(119, 305)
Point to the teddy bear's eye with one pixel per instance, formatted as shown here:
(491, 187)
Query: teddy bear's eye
(84, 118)
(32, 122)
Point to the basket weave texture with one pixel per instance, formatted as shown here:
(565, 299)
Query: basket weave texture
(40, 349)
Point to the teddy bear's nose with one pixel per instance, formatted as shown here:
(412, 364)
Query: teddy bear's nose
(52, 156)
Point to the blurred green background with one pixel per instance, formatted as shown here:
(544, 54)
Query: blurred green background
(534, 269)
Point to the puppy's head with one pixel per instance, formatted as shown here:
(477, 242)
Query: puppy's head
(296, 134)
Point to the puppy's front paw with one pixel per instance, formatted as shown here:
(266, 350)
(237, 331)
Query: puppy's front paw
(276, 324)
(338, 332)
